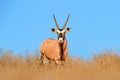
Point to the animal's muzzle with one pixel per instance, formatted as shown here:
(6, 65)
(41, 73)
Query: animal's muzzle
(60, 40)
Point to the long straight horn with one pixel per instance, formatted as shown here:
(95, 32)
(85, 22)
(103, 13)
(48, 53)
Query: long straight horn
(56, 22)
(66, 22)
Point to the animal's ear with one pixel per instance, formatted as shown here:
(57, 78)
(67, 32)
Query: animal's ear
(53, 29)
(67, 30)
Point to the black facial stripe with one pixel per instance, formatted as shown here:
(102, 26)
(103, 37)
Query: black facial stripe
(61, 33)
(60, 29)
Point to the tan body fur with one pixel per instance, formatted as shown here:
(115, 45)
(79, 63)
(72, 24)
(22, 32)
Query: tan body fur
(51, 49)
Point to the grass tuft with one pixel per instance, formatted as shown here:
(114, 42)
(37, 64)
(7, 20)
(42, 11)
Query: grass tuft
(104, 66)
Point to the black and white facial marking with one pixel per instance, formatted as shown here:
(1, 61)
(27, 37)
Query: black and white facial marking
(61, 35)
(61, 31)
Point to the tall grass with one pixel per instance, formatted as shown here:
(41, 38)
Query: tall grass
(104, 66)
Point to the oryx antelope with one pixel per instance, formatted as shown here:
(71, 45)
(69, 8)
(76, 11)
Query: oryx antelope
(55, 49)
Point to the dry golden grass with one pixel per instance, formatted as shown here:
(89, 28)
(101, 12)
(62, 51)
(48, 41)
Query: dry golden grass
(105, 66)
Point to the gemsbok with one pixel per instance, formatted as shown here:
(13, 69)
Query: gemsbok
(55, 49)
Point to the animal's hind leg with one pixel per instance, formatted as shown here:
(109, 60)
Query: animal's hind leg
(49, 61)
(43, 58)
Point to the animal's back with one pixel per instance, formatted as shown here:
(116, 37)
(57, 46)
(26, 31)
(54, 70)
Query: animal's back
(50, 48)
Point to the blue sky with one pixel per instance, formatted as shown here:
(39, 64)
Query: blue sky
(95, 24)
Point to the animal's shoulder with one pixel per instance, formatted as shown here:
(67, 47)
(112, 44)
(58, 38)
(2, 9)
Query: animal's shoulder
(51, 38)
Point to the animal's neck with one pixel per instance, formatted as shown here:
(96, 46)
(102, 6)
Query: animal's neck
(62, 46)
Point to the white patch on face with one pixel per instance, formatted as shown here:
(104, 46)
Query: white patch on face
(60, 39)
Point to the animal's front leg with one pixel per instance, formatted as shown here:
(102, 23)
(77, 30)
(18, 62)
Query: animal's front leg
(56, 62)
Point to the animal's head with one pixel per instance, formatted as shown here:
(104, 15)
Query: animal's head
(61, 31)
